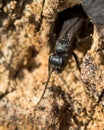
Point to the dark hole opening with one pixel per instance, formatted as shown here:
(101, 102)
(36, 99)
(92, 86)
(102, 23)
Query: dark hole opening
(67, 14)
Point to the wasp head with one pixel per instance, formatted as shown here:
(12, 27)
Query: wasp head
(57, 62)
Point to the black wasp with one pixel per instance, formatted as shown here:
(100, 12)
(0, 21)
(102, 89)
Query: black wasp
(66, 43)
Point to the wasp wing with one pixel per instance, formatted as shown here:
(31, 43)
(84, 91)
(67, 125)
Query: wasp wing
(72, 24)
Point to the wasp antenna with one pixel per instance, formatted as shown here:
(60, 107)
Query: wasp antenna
(64, 82)
(67, 95)
(49, 76)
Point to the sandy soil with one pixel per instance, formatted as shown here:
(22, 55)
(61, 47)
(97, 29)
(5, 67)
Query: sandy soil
(25, 42)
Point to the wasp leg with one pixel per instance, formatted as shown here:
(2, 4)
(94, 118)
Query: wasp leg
(82, 40)
(76, 60)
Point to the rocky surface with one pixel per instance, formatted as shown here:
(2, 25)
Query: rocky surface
(26, 34)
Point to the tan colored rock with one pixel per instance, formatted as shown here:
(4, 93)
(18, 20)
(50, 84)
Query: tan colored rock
(26, 28)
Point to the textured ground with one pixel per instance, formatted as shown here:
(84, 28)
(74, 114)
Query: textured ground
(26, 30)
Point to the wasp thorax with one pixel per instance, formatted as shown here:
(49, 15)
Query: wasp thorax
(62, 46)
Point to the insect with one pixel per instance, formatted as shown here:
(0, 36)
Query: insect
(65, 45)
